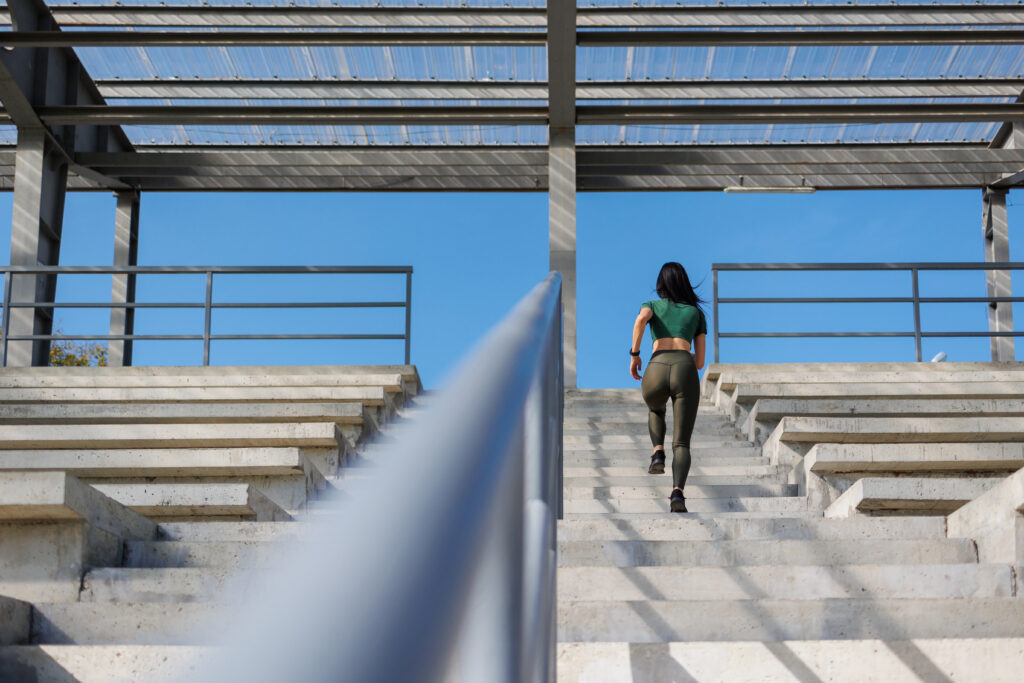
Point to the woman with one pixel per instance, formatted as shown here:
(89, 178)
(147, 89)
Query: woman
(675, 319)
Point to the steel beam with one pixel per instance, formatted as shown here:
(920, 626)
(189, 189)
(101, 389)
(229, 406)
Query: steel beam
(698, 38)
(995, 227)
(278, 89)
(690, 16)
(294, 115)
(265, 38)
(562, 168)
(126, 253)
(794, 113)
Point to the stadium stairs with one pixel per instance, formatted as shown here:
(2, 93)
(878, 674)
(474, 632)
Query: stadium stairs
(131, 497)
(848, 522)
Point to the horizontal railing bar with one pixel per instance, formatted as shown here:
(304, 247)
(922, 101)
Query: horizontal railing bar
(876, 300)
(866, 334)
(79, 270)
(311, 304)
(934, 265)
(187, 337)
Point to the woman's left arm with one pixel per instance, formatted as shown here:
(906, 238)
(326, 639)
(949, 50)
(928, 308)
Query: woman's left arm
(638, 335)
(698, 350)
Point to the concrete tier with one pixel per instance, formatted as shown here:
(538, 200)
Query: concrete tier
(225, 554)
(786, 582)
(181, 413)
(310, 434)
(899, 429)
(908, 495)
(831, 458)
(654, 488)
(116, 623)
(227, 531)
(371, 396)
(775, 505)
(195, 500)
(994, 521)
(967, 660)
(177, 584)
(665, 621)
(767, 552)
(392, 383)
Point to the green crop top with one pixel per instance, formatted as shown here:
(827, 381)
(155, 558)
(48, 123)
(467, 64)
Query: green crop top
(670, 319)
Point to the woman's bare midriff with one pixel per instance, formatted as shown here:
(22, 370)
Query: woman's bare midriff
(671, 344)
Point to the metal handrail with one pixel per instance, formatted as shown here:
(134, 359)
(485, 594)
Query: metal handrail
(915, 298)
(444, 556)
(208, 305)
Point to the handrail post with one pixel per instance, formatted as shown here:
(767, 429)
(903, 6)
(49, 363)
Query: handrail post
(408, 314)
(714, 308)
(208, 310)
(917, 314)
(5, 317)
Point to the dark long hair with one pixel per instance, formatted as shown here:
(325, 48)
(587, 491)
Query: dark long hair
(673, 284)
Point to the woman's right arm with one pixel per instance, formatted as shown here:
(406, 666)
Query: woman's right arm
(698, 350)
(638, 335)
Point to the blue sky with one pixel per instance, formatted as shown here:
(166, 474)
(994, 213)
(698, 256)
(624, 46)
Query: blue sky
(476, 254)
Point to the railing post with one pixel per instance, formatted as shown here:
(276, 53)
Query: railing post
(208, 310)
(917, 314)
(408, 315)
(714, 308)
(5, 317)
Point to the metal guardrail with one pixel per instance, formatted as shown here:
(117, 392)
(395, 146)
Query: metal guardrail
(915, 298)
(208, 304)
(440, 563)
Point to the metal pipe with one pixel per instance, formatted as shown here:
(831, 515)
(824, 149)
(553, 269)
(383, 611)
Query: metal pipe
(6, 320)
(784, 38)
(207, 316)
(714, 305)
(408, 315)
(917, 314)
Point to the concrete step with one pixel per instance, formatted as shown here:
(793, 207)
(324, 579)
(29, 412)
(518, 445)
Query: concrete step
(708, 515)
(967, 660)
(743, 450)
(308, 434)
(777, 505)
(180, 502)
(118, 623)
(100, 663)
(638, 467)
(787, 582)
(909, 495)
(223, 554)
(767, 552)
(370, 396)
(597, 442)
(749, 393)
(636, 479)
(778, 620)
(678, 527)
(389, 382)
(227, 531)
(655, 488)
(770, 410)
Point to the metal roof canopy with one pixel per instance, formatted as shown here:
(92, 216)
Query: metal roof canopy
(442, 95)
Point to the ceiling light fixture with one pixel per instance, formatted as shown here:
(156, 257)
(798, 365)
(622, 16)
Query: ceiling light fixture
(770, 189)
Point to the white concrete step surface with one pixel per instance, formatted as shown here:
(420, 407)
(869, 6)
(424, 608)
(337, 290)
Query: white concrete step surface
(100, 663)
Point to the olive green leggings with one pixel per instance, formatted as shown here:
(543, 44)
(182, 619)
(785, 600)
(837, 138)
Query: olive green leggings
(672, 374)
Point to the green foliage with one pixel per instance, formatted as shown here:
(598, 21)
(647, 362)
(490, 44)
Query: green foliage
(70, 353)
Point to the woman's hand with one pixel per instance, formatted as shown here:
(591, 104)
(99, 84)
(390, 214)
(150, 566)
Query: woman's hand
(634, 366)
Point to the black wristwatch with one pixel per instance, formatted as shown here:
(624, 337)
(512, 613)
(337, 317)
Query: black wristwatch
(634, 353)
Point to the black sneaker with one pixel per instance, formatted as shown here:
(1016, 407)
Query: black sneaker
(657, 463)
(677, 501)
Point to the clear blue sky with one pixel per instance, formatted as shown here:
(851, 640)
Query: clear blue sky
(476, 254)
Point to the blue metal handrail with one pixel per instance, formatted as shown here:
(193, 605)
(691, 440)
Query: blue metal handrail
(442, 560)
(208, 304)
(915, 298)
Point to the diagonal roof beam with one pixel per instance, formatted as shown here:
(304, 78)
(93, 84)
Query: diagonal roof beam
(31, 78)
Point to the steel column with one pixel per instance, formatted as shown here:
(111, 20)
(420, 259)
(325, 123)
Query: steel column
(40, 183)
(562, 167)
(997, 249)
(126, 253)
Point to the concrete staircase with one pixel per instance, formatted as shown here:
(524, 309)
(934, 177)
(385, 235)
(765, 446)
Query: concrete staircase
(756, 583)
(137, 503)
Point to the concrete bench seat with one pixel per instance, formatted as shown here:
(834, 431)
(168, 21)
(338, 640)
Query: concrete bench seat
(767, 412)
(51, 526)
(908, 495)
(77, 663)
(391, 383)
(166, 584)
(188, 501)
(371, 396)
(994, 521)
(115, 623)
(230, 555)
(935, 458)
(231, 435)
(740, 401)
